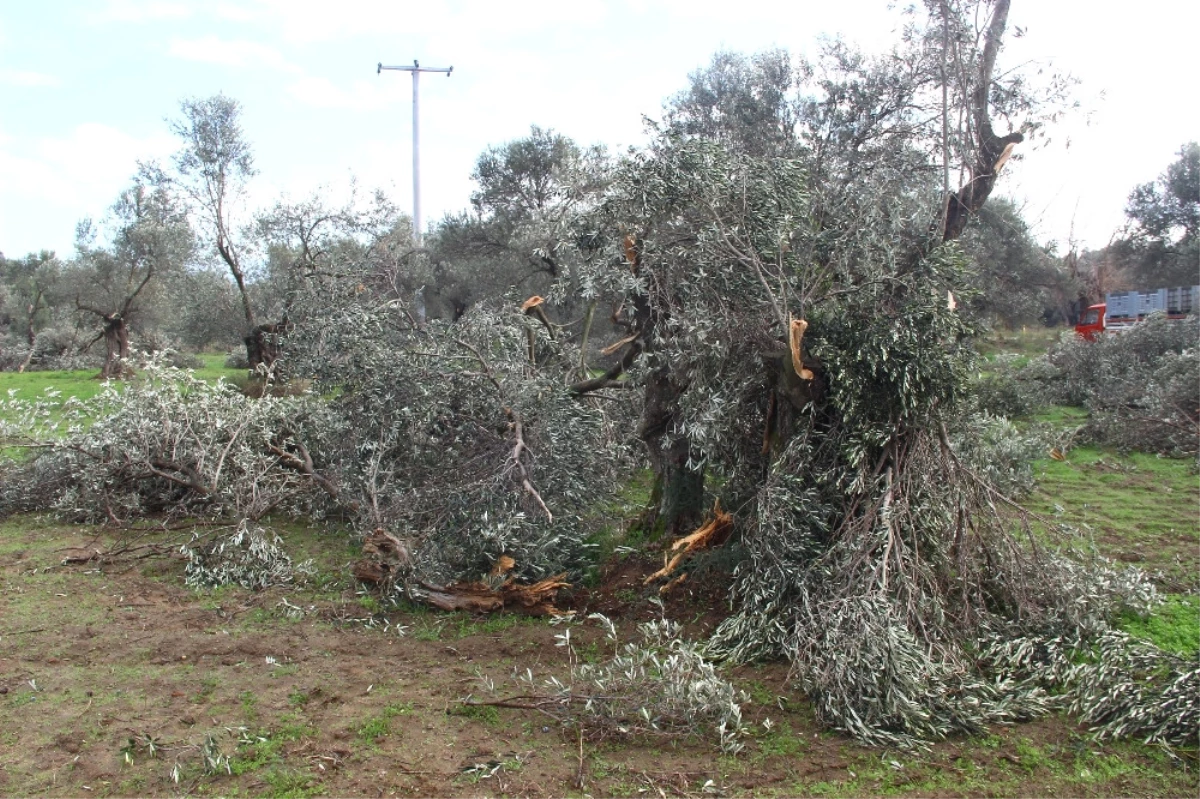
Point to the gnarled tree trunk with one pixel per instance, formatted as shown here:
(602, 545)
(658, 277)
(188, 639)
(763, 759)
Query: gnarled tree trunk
(116, 343)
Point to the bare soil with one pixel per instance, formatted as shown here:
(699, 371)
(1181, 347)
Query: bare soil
(113, 678)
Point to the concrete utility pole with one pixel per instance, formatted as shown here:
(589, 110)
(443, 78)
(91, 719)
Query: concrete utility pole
(416, 69)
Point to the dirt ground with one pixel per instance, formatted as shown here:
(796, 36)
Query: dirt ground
(118, 680)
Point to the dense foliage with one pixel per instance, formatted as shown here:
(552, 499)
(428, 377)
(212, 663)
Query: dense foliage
(1162, 245)
(1141, 388)
(793, 320)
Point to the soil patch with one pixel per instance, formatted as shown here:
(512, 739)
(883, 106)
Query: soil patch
(117, 680)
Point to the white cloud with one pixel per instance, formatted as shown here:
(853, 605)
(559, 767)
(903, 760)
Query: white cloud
(320, 20)
(90, 166)
(50, 183)
(360, 96)
(234, 13)
(27, 78)
(230, 53)
(142, 11)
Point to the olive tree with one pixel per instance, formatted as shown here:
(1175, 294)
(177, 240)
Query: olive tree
(211, 171)
(512, 240)
(795, 325)
(1017, 281)
(149, 236)
(1161, 245)
(29, 297)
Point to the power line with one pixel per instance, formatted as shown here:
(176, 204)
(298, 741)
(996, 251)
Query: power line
(416, 69)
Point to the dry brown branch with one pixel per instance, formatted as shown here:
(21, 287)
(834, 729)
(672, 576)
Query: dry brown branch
(168, 470)
(611, 348)
(301, 461)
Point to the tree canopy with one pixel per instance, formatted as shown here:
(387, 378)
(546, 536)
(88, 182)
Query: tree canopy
(793, 314)
(1162, 247)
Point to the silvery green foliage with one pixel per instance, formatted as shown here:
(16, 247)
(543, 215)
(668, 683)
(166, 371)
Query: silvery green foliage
(875, 678)
(1008, 390)
(724, 247)
(459, 436)
(659, 684)
(1000, 452)
(881, 546)
(169, 445)
(1141, 387)
(251, 557)
(1135, 690)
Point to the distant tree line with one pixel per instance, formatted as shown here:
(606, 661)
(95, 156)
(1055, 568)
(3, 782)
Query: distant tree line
(180, 262)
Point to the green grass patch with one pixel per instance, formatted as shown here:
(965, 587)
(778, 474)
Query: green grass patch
(780, 741)
(1063, 416)
(1137, 508)
(55, 388)
(81, 384)
(485, 713)
(1174, 626)
(1029, 341)
(215, 369)
(616, 530)
(375, 728)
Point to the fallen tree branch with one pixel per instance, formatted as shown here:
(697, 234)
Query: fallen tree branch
(516, 461)
(478, 597)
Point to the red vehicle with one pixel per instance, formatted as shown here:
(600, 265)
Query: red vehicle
(1091, 324)
(1123, 309)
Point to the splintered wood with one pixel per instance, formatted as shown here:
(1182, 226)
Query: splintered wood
(532, 303)
(710, 534)
(384, 558)
(795, 338)
(479, 597)
(631, 250)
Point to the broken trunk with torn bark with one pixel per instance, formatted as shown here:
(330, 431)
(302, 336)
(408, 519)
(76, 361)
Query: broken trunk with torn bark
(479, 597)
(712, 533)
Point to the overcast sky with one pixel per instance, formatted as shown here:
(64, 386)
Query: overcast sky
(86, 87)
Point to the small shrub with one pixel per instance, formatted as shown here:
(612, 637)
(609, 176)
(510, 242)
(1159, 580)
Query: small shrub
(1002, 394)
(659, 685)
(250, 557)
(1001, 452)
(1141, 388)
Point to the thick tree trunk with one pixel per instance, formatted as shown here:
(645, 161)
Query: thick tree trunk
(677, 502)
(116, 343)
(30, 335)
(682, 504)
(264, 344)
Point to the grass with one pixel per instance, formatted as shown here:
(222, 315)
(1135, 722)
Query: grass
(486, 714)
(375, 728)
(1026, 343)
(214, 368)
(1136, 508)
(1175, 626)
(633, 498)
(82, 384)
(56, 387)
(285, 724)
